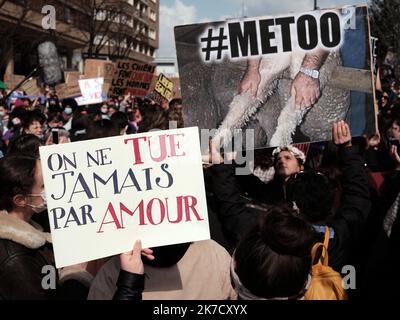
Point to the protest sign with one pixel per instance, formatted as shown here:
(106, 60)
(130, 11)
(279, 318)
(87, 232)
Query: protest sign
(65, 90)
(72, 77)
(31, 88)
(69, 89)
(92, 91)
(278, 75)
(12, 80)
(164, 87)
(95, 68)
(132, 77)
(100, 202)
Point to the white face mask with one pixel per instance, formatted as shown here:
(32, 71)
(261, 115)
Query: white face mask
(16, 121)
(41, 207)
(2, 113)
(104, 110)
(68, 110)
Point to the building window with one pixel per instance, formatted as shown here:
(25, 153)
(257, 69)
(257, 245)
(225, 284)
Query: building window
(130, 21)
(124, 43)
(152, 34)
(67, 15)
(101, 15)
(143, 10)
(153, 15)
(98, 39)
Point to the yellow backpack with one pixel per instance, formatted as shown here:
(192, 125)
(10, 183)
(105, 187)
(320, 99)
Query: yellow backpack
(326, 283)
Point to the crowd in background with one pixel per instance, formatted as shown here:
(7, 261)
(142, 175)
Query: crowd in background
(263, 225)
(39, 116)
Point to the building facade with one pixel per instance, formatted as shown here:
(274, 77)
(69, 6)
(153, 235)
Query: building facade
(130, 31)
(125, 29)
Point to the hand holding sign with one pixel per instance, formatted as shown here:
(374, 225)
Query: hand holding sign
(98, 200)
(132, 261)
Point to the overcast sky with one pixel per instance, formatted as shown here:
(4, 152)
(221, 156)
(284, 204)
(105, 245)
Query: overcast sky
(181, 12)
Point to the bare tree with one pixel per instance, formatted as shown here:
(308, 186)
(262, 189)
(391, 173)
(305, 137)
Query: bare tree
(109, 26)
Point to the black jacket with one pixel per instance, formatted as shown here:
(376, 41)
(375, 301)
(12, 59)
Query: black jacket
(27, 268)
(347, 222)
(129, 286)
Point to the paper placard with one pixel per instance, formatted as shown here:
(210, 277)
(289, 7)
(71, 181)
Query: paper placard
(104, 194)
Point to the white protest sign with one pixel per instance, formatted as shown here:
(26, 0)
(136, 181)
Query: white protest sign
(92, 91)
(104, 194)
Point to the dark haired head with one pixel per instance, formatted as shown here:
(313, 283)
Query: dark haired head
(119, 120)
(167, 256)
(70, 102)
(101, 129)
(26, 144)
(154, 117)
(79, 125)
(55, 118)
(174, 103)
(274, 259)
(32, 116)
(17, 176)
(17, 112)
(313, 194)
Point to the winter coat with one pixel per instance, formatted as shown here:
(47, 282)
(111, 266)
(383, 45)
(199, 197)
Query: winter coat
(201, 274)
(27, 270)
(347, 223)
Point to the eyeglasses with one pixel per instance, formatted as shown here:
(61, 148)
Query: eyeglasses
(385, 97)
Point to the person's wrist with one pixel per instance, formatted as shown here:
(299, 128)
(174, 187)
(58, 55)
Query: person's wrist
(310, 72)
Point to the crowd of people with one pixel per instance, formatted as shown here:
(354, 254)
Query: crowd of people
(264, 225)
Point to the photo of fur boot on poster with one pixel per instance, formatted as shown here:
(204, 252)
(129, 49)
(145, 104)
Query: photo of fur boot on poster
(288, 77)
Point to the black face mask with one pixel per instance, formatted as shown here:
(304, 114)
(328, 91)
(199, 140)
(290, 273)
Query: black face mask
(167, 256)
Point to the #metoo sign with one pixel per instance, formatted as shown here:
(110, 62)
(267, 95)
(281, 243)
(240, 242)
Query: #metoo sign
(104, 194)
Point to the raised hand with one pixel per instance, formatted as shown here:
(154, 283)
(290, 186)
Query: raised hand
(132, 261)
(341, 134)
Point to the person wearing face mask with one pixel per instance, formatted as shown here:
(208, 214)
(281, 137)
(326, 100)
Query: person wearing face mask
(104, 112)
(24, 248)
(69, 107)
(67, 116)
(14, 124)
